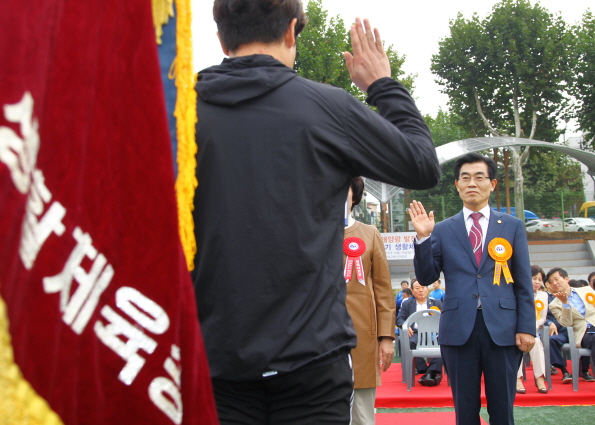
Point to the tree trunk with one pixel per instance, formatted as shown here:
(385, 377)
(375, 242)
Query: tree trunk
(498, 206)
(517, 169)
(517, 166)
(506, 163)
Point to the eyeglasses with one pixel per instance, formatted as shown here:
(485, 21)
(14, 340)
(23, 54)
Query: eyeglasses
(477, 179)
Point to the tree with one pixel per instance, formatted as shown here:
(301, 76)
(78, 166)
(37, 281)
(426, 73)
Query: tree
(548, 174)
(319, 56)
(444, 128)
(507, 75)
(320, 49)
(584, 87)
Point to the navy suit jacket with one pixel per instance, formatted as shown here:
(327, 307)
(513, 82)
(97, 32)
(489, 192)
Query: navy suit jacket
(409, 306)
(507, 308)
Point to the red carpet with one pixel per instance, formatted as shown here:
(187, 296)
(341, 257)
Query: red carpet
(394, 394)
(422, 418)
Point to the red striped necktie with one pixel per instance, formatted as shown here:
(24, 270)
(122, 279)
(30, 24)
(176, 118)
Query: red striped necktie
(475, 236)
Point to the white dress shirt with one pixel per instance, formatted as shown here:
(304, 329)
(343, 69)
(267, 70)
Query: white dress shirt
(483, 221)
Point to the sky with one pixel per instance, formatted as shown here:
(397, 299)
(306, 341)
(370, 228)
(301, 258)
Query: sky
(414, 28)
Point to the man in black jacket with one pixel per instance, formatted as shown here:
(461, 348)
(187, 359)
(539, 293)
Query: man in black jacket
(276, 154)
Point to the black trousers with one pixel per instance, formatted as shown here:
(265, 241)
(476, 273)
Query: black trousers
(556, 343)
(588, 341)
(311, 395)
(433, 365)
(499, 365)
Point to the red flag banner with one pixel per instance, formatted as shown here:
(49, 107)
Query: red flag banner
(98, 321)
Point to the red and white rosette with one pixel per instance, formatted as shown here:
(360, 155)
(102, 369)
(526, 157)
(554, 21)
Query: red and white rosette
(354, 248)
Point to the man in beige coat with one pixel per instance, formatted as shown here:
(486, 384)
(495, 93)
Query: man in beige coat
(574, 307)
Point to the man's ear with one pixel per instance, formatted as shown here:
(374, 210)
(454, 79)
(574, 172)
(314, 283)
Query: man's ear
(225, 51)
(289, 37)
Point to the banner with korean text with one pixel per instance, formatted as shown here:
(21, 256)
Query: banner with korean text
(98, 321)
(399, 246)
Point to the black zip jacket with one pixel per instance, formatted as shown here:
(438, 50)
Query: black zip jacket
(276, 154)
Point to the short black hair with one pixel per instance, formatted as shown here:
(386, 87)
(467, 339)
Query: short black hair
(560, 271)
(590, 276)
(574, 283)
(407, 291)
(535, 270)
(357, 190)
(245, 21)
(473, 157)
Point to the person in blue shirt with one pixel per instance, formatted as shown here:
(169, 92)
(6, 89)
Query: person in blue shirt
(437, 293)
(399, 297)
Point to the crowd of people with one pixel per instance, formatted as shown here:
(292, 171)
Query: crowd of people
(278, 163)
(557, 298)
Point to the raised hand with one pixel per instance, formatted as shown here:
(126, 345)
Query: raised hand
(422, 222)
(368, 62)
(562, 297)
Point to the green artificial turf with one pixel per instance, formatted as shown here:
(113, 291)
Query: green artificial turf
(541, 415)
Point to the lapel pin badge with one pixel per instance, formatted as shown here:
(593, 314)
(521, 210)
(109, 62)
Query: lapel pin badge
(499, 221)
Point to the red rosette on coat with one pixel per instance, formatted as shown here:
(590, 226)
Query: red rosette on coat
(354, 248)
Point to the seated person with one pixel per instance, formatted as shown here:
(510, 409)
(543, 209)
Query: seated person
(420, 301)
(536, 354)
(574, 307)
(399, 297)
(558, 337)
(405, 294)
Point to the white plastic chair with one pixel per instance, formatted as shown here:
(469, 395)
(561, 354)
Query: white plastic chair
(427, 342)
(575, 355)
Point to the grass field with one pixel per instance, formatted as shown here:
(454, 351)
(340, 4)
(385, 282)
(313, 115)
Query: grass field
(544, 415)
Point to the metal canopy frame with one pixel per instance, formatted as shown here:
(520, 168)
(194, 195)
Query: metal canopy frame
(453, 150)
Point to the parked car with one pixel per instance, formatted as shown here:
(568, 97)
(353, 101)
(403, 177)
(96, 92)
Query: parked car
(579, 224)
(529, 215)
(544, 226)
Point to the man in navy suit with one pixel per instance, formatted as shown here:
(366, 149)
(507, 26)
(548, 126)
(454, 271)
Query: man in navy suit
(420, 301)
(488, 314)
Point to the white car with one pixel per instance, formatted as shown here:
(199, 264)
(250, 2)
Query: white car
(579, 224)
(544, 226)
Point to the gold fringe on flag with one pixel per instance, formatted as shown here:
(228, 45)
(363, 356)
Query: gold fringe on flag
(185, 113)
(162, 11)
(19, 403)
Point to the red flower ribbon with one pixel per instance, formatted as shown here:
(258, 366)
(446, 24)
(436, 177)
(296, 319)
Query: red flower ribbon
(354, 248)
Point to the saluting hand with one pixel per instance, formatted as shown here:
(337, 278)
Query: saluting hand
(422, 222)
(368, 62)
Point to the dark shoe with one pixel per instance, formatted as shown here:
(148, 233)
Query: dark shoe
(438, 378)
(427, 380)
(542, 390)
(521, 391)
(587, 377)
(553, 370)
(567, 378)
